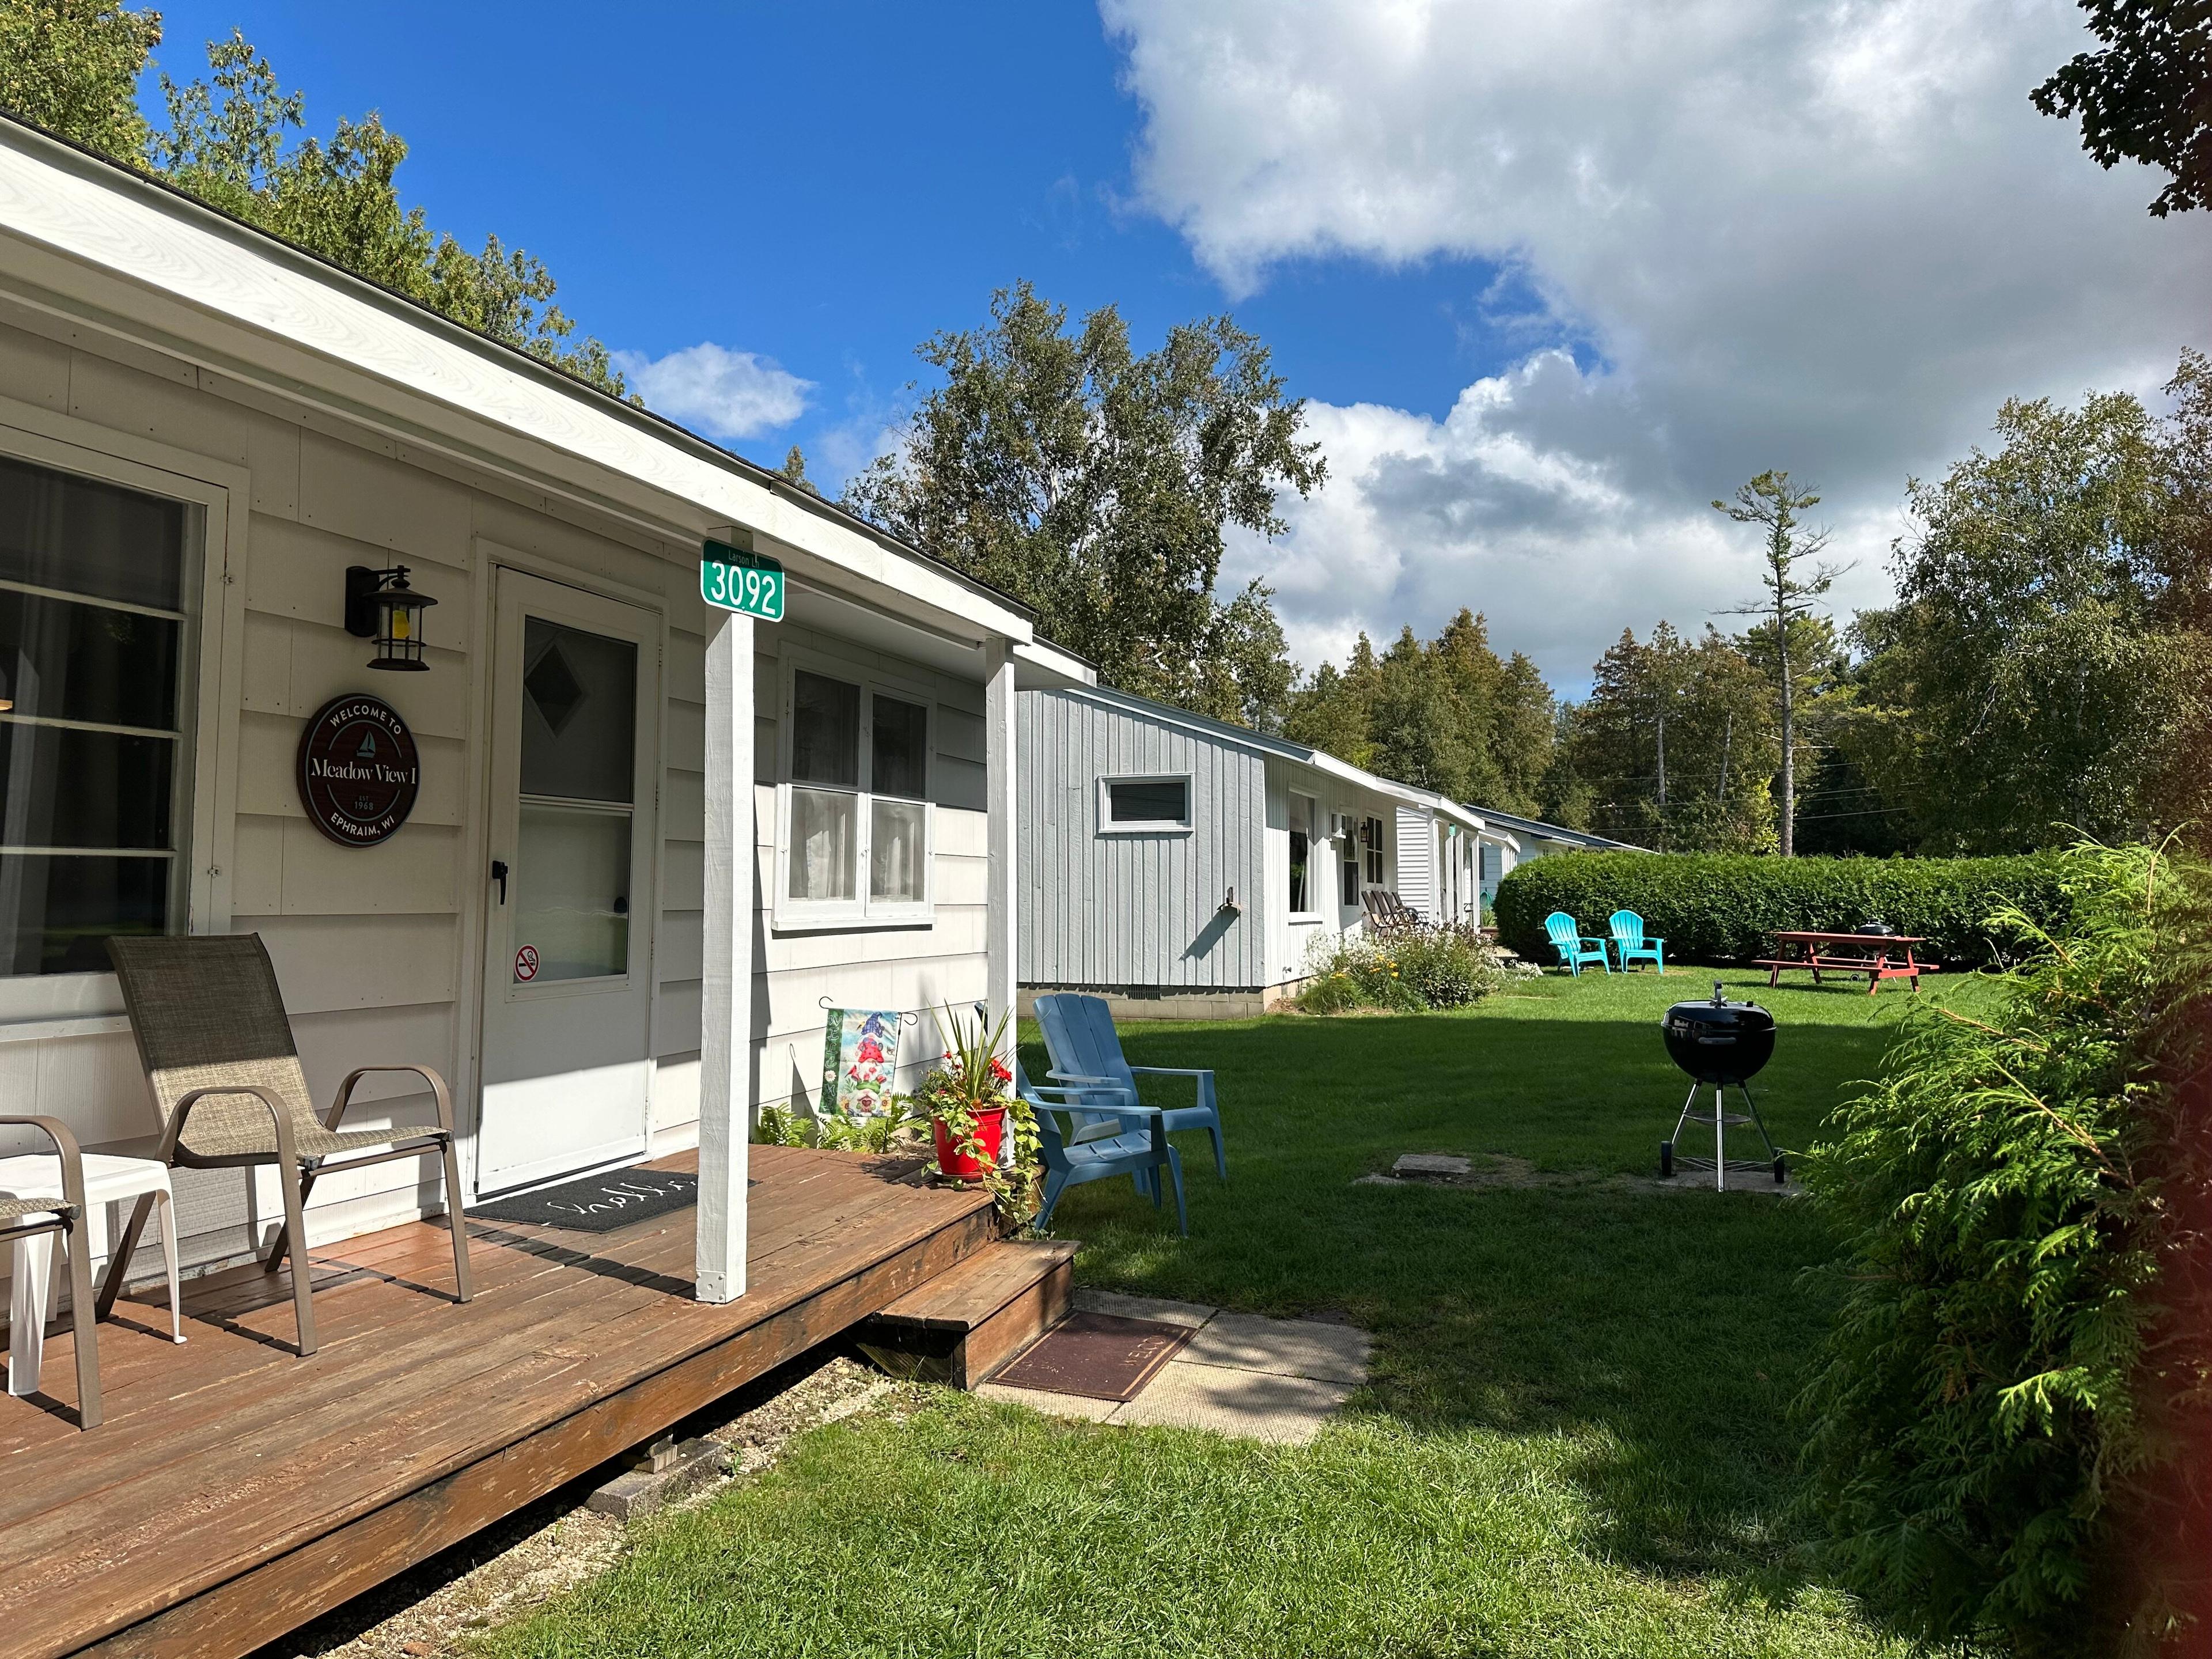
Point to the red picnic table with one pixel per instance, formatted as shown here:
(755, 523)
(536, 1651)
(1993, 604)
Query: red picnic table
(1874, 955)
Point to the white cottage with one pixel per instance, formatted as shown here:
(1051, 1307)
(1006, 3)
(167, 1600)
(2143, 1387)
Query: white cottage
(652, 838)
(1522, 839)
(1185, 867)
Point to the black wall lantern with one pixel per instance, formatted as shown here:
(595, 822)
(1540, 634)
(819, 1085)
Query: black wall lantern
(379, 605)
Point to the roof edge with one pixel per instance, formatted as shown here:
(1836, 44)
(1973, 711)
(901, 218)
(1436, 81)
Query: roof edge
(1282, 748)
(170, 197)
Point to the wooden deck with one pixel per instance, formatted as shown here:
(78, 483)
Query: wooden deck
(236, 1491)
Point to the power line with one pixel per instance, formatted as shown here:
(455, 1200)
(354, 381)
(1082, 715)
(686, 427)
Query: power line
(1865, 812)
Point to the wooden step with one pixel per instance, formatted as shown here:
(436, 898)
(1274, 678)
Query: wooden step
(970, 1320)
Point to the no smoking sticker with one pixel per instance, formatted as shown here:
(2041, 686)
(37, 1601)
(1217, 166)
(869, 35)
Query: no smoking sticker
(526, 963)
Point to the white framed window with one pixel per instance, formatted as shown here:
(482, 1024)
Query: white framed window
(854, 818)
(102, 588)
(1305, 855)
(1148, 804)
(1371, 842)
(1347, 854)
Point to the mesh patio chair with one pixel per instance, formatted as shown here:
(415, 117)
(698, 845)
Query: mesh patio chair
(28, 1217)
(218, 1053)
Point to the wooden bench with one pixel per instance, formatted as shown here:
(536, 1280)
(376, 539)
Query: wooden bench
(1813, 956)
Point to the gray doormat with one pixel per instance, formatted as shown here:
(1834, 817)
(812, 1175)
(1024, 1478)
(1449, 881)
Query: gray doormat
(598, 1203)
(1099, 1356)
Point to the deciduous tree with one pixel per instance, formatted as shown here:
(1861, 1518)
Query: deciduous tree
(2043, 671)
(72, 66)
(1096, 485)
(2147, 96)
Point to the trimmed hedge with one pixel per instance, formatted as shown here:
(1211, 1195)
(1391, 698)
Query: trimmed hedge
(1720, 907)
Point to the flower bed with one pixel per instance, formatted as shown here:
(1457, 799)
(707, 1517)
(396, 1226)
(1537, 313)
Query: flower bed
(1407, 971)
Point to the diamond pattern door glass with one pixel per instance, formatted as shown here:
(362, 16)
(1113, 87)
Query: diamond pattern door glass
(578, 714)
(573, 850)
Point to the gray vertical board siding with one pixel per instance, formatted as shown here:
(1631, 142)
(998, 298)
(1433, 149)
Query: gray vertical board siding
(1135, 909)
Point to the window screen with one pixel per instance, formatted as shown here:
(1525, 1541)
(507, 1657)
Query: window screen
(94, 665)
(901, 757)
(1148, 800)
(826, 731)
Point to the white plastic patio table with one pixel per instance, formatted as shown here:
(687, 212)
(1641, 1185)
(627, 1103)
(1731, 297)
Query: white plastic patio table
(107, 1179)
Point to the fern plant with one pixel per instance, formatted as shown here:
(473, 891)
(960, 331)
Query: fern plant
(2022, 1342)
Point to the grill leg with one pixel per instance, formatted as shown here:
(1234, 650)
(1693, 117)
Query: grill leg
(1689, 1101)
(1720, 1141)
(1758, 1122)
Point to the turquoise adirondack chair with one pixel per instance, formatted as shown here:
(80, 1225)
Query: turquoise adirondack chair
(1086, 1051)
(1630, 943)
(1078, 1144)
(1574, 947)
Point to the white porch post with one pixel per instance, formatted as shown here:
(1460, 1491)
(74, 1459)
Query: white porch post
(726, 1034)
(999, 793)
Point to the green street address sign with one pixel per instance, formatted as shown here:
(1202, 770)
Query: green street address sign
(751, 584)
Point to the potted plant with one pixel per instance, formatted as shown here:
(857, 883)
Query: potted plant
(972, 1112)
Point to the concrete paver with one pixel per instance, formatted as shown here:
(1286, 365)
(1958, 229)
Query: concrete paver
(1432, 1163)
(1191, 1314)
(1243, 1376)
(1242, 1404)
(1282, 1347)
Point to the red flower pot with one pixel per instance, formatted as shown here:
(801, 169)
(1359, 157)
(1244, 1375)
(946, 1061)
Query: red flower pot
(990, 1132)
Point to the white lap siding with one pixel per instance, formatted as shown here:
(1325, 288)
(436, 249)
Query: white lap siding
(906, 967)
(379, 950)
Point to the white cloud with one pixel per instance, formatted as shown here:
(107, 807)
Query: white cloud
(1832, 237)
(727, 394)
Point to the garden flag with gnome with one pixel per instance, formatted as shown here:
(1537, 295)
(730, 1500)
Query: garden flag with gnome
(859, 1056)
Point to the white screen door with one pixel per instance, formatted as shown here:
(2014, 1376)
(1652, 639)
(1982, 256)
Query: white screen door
(568, 1059)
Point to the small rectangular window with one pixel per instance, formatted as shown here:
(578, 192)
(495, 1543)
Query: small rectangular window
(95, 681)
(858, 824)
(1304, 810)
(1148, 800)
(1371, 837)
(1349, 895)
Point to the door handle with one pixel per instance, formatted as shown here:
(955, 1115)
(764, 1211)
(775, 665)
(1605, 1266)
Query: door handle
(499, 875)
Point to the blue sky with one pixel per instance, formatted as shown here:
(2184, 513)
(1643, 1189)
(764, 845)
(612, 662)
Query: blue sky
(1552, 277)
(823, 184)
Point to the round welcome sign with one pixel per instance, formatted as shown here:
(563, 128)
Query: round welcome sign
(359, 773)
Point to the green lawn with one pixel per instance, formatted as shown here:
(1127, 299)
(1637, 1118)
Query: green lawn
(1574, 1442)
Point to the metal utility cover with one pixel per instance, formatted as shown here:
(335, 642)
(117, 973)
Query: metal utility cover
(1098, 1356)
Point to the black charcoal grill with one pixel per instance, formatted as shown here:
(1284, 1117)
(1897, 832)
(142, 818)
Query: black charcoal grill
(1722, 1045)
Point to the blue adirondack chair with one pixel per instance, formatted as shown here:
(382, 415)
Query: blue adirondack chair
(1076, 1144)
(1574, 947)
(1629, 943)
(1086, 1051)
